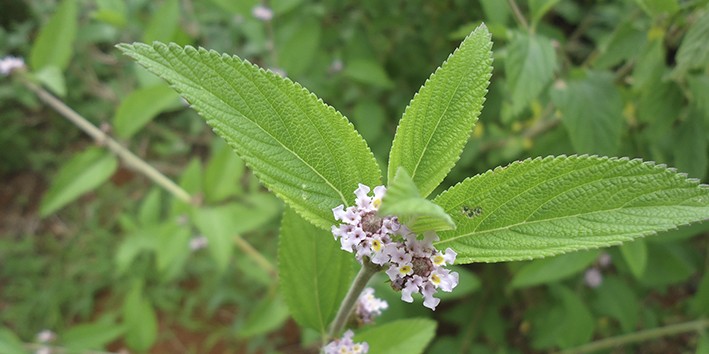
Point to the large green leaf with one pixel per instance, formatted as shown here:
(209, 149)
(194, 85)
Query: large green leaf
(402, 336)
(419, 214)
(529, 65)
(439, 119)
(141, 106)
(302, 149)
(84, 172)
(314, 273)
(592, 112)
(54, 44)
(547, 206)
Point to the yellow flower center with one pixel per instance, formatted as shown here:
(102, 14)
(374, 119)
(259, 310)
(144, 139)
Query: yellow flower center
(376, 245)
(435, 279)
(405, 269)
(438, 259)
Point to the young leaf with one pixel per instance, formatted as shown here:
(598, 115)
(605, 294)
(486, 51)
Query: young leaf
(439, 119)
(313, 271)
(94, 335)
(419, 214)
(141, 106)
(543, 271)
(592, 112)
(84, 172)
(54, 44)
(402, 336)
(302, 149)
(139, 319)
(548, 206)
(529, 65)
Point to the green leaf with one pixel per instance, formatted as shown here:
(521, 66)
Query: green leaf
(297, 50)
(617, 300)
(84, 172)
(669, 263)
(304, 151)
(10, 343)
(141, 106)
(592, 112)
(539, 8)
(529, 66)
(635, 254)
(112, 12)
(139, 319)
(215, 223)
(703, 345)
(440, 117)
(150, 208)
(659, 7)
(268, 315)
(690, 149)
(548, 206)
(403, 200)
(91, 335)
(577, 325)
(314, 273)
(55, 41)
(52, 78)
(367, 71)
(548, 270)
(402, 336)
(223, 173)
(693, 53)
(164, 22)
(700, 302)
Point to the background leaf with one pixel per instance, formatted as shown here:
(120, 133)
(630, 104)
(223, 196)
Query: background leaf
(592, 112)
(548, 206)
(314, 272)
(439, 119)
(55, 41)
(303, 150)
(402, 336)
(693, 53)
(635, 254)
(139, 319)
(529, 66)
(164, 22)
(419, 214)
(553, 269)
(81, 174)
(141, 106)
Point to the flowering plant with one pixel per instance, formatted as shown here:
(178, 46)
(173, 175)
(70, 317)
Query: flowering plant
(311, 157)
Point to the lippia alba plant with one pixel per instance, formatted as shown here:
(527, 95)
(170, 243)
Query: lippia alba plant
(311, 157)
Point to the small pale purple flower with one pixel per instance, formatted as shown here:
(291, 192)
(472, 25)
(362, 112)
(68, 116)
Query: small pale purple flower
(9, 64)
(262, 13)
(46, 336)
(198, 242)
(593, 278)
(346, 345)
(604, 260)
(369, 306)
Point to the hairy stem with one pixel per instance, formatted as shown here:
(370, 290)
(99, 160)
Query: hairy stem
(365, 273)
(613, 342)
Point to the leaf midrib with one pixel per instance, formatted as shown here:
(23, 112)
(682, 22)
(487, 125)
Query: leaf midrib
(342, 197)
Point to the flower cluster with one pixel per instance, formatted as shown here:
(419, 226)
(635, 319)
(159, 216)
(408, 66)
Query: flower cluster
(414, 266)
(369, 307)
(346, 345)
(9, 64)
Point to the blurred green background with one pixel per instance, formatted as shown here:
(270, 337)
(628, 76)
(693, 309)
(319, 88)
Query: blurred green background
(106, 260)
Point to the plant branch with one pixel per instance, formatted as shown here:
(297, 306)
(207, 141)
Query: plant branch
(255, 255)
(613, 342)
(518, 15)
(130, 159)
(365, 273)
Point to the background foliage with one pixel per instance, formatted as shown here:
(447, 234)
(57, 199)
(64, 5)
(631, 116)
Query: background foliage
(112, 268)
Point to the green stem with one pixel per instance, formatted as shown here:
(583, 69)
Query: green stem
(348, 303)
(518, 15)
(613, 342)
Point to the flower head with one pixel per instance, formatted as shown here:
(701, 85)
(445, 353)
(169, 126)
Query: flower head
(413, 265)
(369, 307)
(346, 345)
(262, 13)
(9, 64)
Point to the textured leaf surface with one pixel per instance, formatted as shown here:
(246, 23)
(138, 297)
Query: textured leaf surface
(529, 65)
(403, 336)
(594, 128)
(543, 207)
(439, 119)
(54, 44)
(302, 149)
(314, 273)
(82, 173)
(419, 214)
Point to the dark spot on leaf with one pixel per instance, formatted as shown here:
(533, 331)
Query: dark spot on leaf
(471, 212)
